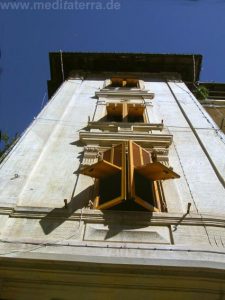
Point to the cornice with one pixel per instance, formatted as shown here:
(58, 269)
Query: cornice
(145, 140)
(123, 93)
(114, 126)
(97, 216)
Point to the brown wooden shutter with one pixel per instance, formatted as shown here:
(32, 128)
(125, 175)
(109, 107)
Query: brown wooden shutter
(135, 112)
(134, 176)
(157, 171)
(137, 157)
(114, 111)
(111, 172)
(114, 155)
(140, 189)
(132, 83)
(143, 171)
(100, 170)
(117, 82)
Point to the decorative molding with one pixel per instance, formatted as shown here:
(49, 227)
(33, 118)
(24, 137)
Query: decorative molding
(120, 217)
(125, 92)
(109, 138)
(91, 155)
(46, 275)
(118, 126)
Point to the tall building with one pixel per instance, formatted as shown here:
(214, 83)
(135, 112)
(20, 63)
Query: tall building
(117, 187)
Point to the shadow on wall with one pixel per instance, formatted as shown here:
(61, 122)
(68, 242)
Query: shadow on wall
(116, 221)
(119, 221)
(59, 215)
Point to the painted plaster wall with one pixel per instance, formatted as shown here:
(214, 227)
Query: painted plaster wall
(49, 153)
(47, 156)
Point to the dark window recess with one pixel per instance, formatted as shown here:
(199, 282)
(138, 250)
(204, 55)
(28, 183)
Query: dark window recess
(110, 188)
(135, 119)
(114, 112)
(123, 112)
(135, 113)
(124, 83)
(111, 118)
(144, 188)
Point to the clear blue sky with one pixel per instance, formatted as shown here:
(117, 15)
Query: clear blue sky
(155, 26)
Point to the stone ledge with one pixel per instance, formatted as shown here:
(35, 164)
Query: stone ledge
(144, 140)
(97, 216)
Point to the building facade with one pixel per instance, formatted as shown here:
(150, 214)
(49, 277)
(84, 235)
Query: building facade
(117, 187)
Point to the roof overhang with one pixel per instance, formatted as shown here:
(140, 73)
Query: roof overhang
(185, 64)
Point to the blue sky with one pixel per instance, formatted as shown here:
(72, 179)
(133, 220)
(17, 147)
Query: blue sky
(155, 26)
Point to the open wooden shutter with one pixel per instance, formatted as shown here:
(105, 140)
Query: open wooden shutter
(114, 112)
(133, 176)
(142, 172)
(157, 171)
(140, 188)
(132, 83)
(100, 170)
(117, 82)
(135, 112)
(111, 175)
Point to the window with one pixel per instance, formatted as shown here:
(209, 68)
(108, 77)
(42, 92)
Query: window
(128, 178)
(115, 112)
(124, 112)
(123, 83)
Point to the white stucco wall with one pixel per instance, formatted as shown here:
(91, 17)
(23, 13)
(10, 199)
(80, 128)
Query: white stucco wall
(49, 153)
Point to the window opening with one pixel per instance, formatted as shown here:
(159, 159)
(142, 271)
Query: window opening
(124, 112)
(128, 178)
(117, 82)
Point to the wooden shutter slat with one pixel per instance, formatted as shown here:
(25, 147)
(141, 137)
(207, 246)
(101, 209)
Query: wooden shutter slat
(106, 155)
(100, 170)
(157, 195)
(157, 171)
(142, 189)
(136, 152)
(146, 205)
(117, 155)
(146, 157)
(110, 203)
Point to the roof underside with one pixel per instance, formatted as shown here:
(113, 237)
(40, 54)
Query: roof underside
(121, 62)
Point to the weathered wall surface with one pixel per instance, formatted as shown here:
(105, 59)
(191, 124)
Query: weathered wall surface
(33, 219)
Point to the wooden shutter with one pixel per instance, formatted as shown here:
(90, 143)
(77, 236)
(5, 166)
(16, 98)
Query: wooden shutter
(111, 172)
(140, 189)
(143, 171)
(137, 156)
(157, 171)
(100, 170)
(135, 112)
(134, 176)
(132, 83)
(114, 112)
(117, 82)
